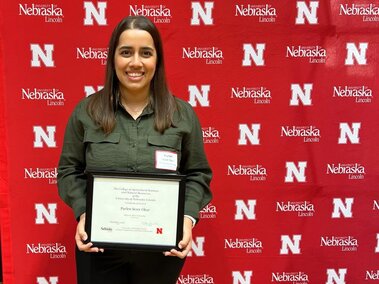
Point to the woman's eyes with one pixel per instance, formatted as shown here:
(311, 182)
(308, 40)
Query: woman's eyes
(129, 53)
(126, 53)
(147, 53)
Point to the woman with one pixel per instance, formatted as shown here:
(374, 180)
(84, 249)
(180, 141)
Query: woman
(124, 126)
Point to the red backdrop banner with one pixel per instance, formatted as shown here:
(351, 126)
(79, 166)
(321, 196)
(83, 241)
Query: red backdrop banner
(286, 92)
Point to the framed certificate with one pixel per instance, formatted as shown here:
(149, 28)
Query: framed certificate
(135, 210)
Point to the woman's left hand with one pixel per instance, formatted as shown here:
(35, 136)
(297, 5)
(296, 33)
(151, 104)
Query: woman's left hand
(186, 243)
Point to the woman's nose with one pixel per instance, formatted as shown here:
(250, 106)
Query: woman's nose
(136, 60)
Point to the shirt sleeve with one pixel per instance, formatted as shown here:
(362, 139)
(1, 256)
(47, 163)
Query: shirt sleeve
(71, 179)
(195, 166)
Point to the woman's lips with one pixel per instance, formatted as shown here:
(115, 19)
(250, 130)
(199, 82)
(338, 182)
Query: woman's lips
(135, 75)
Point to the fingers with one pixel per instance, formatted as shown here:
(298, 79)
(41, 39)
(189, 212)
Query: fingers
(185, 244)
(181, 254)
(86, 247)
(81, 236)
(176, 253)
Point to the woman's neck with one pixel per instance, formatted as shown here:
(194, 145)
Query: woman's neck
(134, 104)
(134, 98)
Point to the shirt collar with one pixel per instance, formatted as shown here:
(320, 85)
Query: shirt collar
(146, 111)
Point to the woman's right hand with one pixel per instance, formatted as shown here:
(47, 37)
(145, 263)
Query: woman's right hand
(81, 237)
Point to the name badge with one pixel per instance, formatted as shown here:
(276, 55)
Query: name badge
(166, 160)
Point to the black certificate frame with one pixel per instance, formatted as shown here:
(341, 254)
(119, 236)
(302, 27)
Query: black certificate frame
(176, 181)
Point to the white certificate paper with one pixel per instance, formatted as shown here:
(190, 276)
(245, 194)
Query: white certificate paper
(135, 211)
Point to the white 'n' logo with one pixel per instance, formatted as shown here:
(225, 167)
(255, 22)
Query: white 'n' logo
(289, 244)
(249, 134)
(199, 12)
(351, 133)
(341, 207)
(255, 54)
(39, 55)
(48, 214)
(247, 210)
(48, 138)
(43, 280)
(196, 96)
(299, 94)
(92, 12)
(89, 90)
(239, 279)
(198, 247)
(334, 278)
(293, 171)
(360, 56)
(303, 11)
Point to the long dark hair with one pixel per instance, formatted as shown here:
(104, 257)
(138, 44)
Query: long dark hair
(103, 105)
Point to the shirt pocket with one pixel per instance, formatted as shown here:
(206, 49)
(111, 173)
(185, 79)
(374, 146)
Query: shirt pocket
(101, 150)
(173, 142)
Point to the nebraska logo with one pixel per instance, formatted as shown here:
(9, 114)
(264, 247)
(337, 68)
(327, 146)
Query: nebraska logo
(210, 135)
(93, 13)
(362, 94)
(251, 53)
(44, 138)
(265, 13)
(349, 132)
(296, 171)
(336, 277)
(203, 13)
(192, 279)
(42, 55)
(303, 208)
(290, 244)
(89, 90)
(356, 52)
(43, 280)
(348, 243)
(52, 97)
(55, 250)
(305, 12)
(211, 55)
(372, 275)
(353, 171)
(301, 94)
(160, 13)
(199, 96)
(259, 95)
(292, 277)
(49, 174)
(93, 53)
(106, 229)
(51, 12)
(316, 54)
(197, 247)
(252, 245)
(376, 205)
(256, 172)
(369, 12)
(308, 133)
(208, 212)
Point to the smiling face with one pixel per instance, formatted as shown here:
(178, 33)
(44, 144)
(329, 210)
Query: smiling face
(135, 62)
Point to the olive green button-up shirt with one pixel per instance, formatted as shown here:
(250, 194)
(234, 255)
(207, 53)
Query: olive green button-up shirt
(133, 146)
